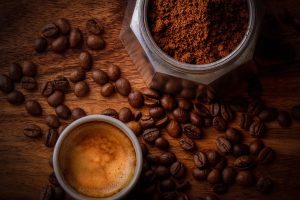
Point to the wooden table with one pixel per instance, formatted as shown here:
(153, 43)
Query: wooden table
(24, 164)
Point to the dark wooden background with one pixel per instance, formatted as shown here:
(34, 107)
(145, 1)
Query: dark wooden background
(24, 165)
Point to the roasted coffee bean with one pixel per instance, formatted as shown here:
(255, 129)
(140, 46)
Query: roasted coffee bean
(268, 114)
(172, 86)
(61, 128)
(228, 175)
(284, 119)
(233, 135)
(187, 144)
(136, 99)
(50, 138)
(150, 102)
(185, 104)
(47, 193)
(29, 68)
(76, 38)
(47, 89)
(264, 185)
(135, 127)
(296, 112)
(213, 157)
(15, 72)
(256, 146)
(61, 83)
(162, 143)
(214, 176)
(167, 185)
(113, 72)
(219, 123)
(200, 174)
(137, 115)
(85, 60)
(266, 156)
(52, 179)
(255, 107)
(208, 122)
(147, 121)
(107, 90)
(77, 113)
(174, 129)
(220, 188)
(210, 94)
(162, 122)
(183, 185)
(60, 44)
(201, 110)
(49, 30)
(110, 112)
(81, 89)
(221, 164)
(95, 42)
(223, 145)
(63, 111)
(52, 121)
(200, 159)
(33, 108)
(148, 177)
(100, 77)
(123, 86)
(28, 83)
(151, 134)
(125, 115)
(77, 75)
(167, 158)
(147, 92)
(196, 120)
(257, 129)
(215, 109)
(239, 104)
(152, 159)
(180, 115)
(32, 131)
(15, 97)
(227, 113)
(187, 93)
(94, 26)
(240, 150)
(162, 172)
(245, 178)
(177, 170)
(245, 121)
(149, 189)
(168, 102)
(56, 98)
(63, 26)
(192, 131)
(157, 112)
(244, 162)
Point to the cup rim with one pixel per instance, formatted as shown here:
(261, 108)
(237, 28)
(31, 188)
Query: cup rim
(117, 123)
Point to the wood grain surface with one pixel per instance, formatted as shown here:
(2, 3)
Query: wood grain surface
(24, 164)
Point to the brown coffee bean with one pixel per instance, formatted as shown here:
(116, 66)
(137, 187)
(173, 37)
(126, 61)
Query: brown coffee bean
(227, 113)
(255, 107)
(63, 111)
(50, 138)
(29, 68)
(60, 44)
(168, 102)
(219, 123)
(296, 112)
(76, 38)
(240, 150)
(47, 193)
(233, 135)
(77, 75)
(152, 159)
(214, 176)
(177, 170)
(107, 90)
(33, 108)
(15, 72)
(187, 93)
(228, 175)
(268, 114)
(6, 84)
(192, 131)
(196, 120)
(215, 109)
(151, 102)
(151, 134)
(220, 188)
(77, 113)
(223, 145)
(264, 185)
(94, 26)
(47, 89)
(137, 115)
(162, 172)
(81, 89)
(110, 112)
(100, 77)
(32, 131)
(172, 86)
(245, 178)
(162, 122)
(187, 144)
(167, 185)
(148, 177)
(49, 30)
(200, 159)
(256, 146)
(185, 104)
(136, 99)
(61, 83)
(52, 179)
(157, 112)
(28, 83)
(135, 127)
(213, 157)
(244, 162)
(180, 115)
(162, 143)
(95, 42)
(113, 72)
(257, 129)
(167, 158)
(201, 174)
(245, 121)
(266, 156)
(221, 164)
(85, 60)
(63, 26)
(123, 86)
(201, 110)
(284, 119)
(147, 121)
(125, 115)
(56, 98)
(15, 97)
(61, 128)
(52, 121)
(174, 129)
(150, 93)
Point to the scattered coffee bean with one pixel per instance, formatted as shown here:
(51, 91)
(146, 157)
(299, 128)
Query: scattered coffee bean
(162, 122)
(15, 72)
(33, 108)
(137, 115)
(240, 150)
(221, 164)
(162, 143)
(223, 145)
(245, 178)
(200, 160)
(151, 134)
(40, 44)
(233, 135)
(255, 107)
(152, 159)
(219, 123)
(94, 26)
(85, 60)
(52, 179)
(47, 193)
(28, 83)
(81, 89)
(47, 89)
(100, 77)
(264, 185)
(147, 121)
(63, 111)
(284, 119)
(201, 110)
(172, 86)
(61, 83)
(150, 93)
(125, 115)
(296, 112)
(187, 93)
(76, 38)
(77, 75)
(244, 162)
(52, 121)
(167, 158)
(213, 157)
(227, 113)
(110, 112)
(60, 44)
(256, 146)
(196, 120)
(185, 104)
(61, 128)
(192, 131)
(228, 175)
(268, 114)
(29, 68)
(174, 129)
(32, 131)
(49, 30)
(56, 98)
(245, 121)
(113, 72)
(187, 144)
(107, 90)
(151, 102)
(50, 138)
(123, 86)
(177, 170)
(135, 127)
(214, 176)
(77, 113)
(266, 156)
(215, 109)
(95, 42)
(167, 185)
(63, 25)
(257, 128)
(148, 177)
(220, 188)
(136, 99)
(15, 97)
(168, 102)
(180, 115)
(162, 172)
(157, 112)
(201, 174)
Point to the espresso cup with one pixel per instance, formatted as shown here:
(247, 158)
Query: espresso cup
(97, 157)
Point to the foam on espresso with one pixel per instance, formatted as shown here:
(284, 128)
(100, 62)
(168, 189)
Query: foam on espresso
(97, 159)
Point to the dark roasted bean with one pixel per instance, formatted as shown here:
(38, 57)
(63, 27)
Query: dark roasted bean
(56, 98)
(227, 113)
(213, 157)
(187, 144)
(223, 145)
(85, 60)
(221, 164)
(28, 83)
(151, 134)
(167, 185)
(219, 123)
(200, 174)
(192, 131)
(172, 86)
(162, 143)
(167, 158)
(61, 83)
(135, 127)
(47, 89)
(107, 90)
(215, 109)
(63, 26)
(162, 172)
(180, 115)
(15, 72)
(257, 129)
(52, 121)
(233, 135)
(177, 170)
(32, 131)
(256, 146)
(81, 89)
(136, 99)
(174, 129)
(29, 68)
(162, 122)
(100, 77)
(168, 102)
(185, 104)
(240, 150)
(110, 112)
(77, 113)
(33, 107)
(15, 97)
(49, 30)
(196, 120)
(113, 72)
(264, 185)
(228, 175)
(268, 114)
(60, 44)
(200, 159)
(94, 26)
(95, 42)
(63, 111)
(201, 110)
(123, 86)
(266, 155)
(244, 162)
(245, 121)
(50, 138)
(157, 112)
(214, 176)
(147, 121)
(77, 75)
(245, 178)
(76, 38)
(125, 115)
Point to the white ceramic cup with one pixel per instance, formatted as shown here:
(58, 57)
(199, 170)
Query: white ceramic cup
(102, 118)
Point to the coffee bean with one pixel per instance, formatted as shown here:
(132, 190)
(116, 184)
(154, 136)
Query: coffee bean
(215, 109)
(223, 145)
(60, 44)
(56, 98)
(110, 112)
(147, 92)
(61, 128)
(162, 172)
(256, 146)
(187, 144)
(52, 179)
(220, 188)
(100, 77)
(113, 72)
(167, 185)
(15, 97)
(95, 42)
(168, 102)
(61, 83)
(151, 134)
(50, 138)
(187, 93)
(151, 102)
(174, 129)
(94, 26)
(185, 104)
(148, 177)
(255, 107)
(28, 83)
(162, 122)
(49, 30)
(136, 99)
(200, 159)
(240, 150)
(266, 156)
(62, 111)
(162, 143)
(77, 75)
(200, 174)
(244, 162)
(177, 170)
(167, 158)
(296, 112)
(157, 112)
(264, 185)
(123, 86)
(233, 135)
(228, 175)
(77, 113)
(257, 129)
(221, 164)
(227, 113)
(284, 119)
(125, 115)
(147, 121)
(137, 115)
(219, 123)
(81, 89)
(40, 44)
(214, 176)
(107, 90)
(32, 131)
(76, 38)
(47, 89)
(135, 127)
(63, 26)
(201, 110)
(29, 68)
(183, 185)
(172, 86)
(245, 121)
(33, 108)
(245, 178)
(180, 115)
(268, 114)
(152, 159)
(15, 72)
(192, 131)
(52, 121)
(213, 157)
(85, 60)
(47, 193)
(239, 104)
(196, 120)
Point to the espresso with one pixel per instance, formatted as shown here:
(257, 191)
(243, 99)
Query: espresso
(97, 159)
